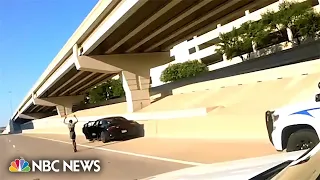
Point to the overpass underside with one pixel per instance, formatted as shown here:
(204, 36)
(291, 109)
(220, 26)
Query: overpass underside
(140, 40)
(159, 25)
(89, 71)
(74, 83)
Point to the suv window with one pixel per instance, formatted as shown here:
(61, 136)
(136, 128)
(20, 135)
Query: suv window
(104, 121)
(97, 123)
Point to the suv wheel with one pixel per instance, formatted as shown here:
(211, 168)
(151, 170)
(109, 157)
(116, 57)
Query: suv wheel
(302, 139)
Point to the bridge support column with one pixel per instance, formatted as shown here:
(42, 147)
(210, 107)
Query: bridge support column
(134, 70)
(10, 128)
(13, 127)
(137, 90)
(63, 111)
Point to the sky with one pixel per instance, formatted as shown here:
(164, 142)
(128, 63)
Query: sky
(32, 32)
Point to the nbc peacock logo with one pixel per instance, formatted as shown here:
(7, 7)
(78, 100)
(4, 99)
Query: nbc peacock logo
(19, 165)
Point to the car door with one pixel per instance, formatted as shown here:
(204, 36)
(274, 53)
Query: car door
(85, 129)
(95, 129)
(102, 126)
(89, 128)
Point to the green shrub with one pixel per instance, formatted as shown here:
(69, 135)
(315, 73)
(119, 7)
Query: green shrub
(110, 89)
(182, 70)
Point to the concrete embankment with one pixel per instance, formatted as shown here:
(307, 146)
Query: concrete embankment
(231, 107)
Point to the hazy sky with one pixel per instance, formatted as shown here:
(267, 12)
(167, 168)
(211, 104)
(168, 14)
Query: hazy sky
(32, 32)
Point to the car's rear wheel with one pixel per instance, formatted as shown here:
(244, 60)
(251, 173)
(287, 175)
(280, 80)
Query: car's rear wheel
(105, 136)
(302, 139)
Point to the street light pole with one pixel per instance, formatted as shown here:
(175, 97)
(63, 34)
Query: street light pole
(10, 121)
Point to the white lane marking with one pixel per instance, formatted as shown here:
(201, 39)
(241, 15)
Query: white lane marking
(129, 153)
(13, 146)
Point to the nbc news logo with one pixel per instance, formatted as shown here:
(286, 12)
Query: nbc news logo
(21, 165)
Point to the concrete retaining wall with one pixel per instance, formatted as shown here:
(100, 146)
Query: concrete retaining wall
(302, 53)
(237, 105)
(230, 107)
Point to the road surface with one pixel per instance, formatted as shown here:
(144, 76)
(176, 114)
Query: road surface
(123, 160)
(114, 166)
(191, 151)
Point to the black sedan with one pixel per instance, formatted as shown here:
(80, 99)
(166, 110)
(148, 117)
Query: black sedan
(112, 128)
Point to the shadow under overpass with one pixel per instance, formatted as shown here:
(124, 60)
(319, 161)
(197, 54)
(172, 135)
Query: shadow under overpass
(16, 126)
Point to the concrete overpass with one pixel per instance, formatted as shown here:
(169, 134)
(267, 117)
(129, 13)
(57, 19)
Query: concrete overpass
(126, 37)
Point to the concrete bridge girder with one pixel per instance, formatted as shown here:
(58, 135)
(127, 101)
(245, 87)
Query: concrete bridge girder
(134, 70)
(33, 115)
(137, 63)
(94, 64)
(63, 103)
(54, 101)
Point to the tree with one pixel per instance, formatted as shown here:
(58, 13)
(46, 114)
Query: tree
(254, 31)
(114, 89)
(309, 25)
(110, 89)
(234, 43)
(182, 70)
(97, 94)
(299, 18)
(289, 14)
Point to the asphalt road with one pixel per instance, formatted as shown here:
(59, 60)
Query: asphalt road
(114, 166)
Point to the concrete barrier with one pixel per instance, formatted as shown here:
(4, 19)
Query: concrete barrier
(54, 125)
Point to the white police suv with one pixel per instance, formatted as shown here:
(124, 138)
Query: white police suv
(295, 127)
